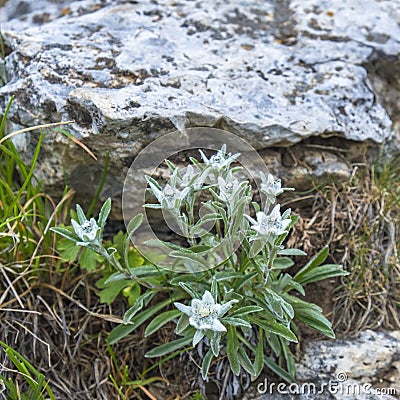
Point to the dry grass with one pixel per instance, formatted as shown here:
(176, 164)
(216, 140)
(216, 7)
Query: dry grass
(360, 220)
(61, 327)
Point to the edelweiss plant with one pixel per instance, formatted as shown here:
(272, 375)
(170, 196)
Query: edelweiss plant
(237, 301)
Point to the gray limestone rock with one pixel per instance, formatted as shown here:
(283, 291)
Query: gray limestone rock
(127, 72)
(364, 367)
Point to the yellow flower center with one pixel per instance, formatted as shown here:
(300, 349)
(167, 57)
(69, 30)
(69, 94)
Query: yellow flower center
(204, 311)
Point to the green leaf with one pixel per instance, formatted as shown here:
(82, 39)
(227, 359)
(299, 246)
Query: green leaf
(182, 324)
(227, 275)
(232, 346)
(297, 286)
(190, 290)
(291, 252)
(235, 322)
(118, 242)
(314, 319)
(259, 360)
(153, 206)
(133, 293)
(278, 370)
(170, 165)
(296, 302)
(110, 291)
(135, 259)
(191, 256)
(160, 321)
(123, 330)
(28, 371)
(274, 302)
(81, 215)
(215, 343)
(207, 218)
(290, 363)
(214, 289)
(256, 247)
(169, 347)
(277, 328)
(256, 206)
(239, 215)
(245, 362)
(139, 304)
(68, 250)
(320, 273)
(244, 280)
(287, 307)
(104, 212)
(198, 337)
(183, 278)
(88, 259)
(131, 228)
(138, 272)
(205, 365)
(317, 260)
(282, 263)
(246, 310)
(134, 224)
(274, 342)
(160, 243)
(65, 233)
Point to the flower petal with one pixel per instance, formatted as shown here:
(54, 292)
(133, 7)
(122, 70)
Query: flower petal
(77, 228)
(251, 220)
(196, 303)
(276, 213)
(217, 326)
(261, 216)
(185, 309)
(286, 223)
(194, 322)
(207, 298)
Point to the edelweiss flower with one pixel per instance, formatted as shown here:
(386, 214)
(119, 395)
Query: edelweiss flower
(228, 187)
(270, 224)
(204, 314)
(220, 159)
(86, 231)
(191, 177)
(170, 197)
(271, 187)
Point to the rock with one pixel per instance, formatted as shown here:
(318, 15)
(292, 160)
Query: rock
(363, 367)
(127, 72)
(361, 357)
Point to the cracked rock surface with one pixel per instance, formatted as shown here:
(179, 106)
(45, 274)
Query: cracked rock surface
(275, 72)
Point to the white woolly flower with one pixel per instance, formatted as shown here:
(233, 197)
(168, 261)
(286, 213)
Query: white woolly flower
(228, 187)
(170, 197)
(191, 177)
(271, 187)
(86, 231)
(220, 159)
(270, 224)
(204, 314)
